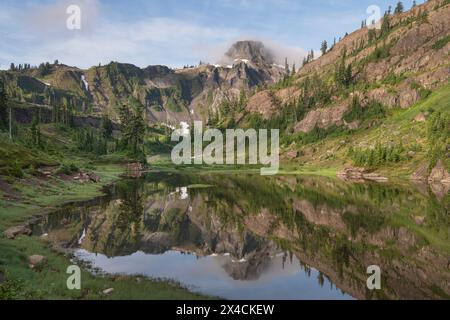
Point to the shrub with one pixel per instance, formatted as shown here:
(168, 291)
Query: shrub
(16, 171)
(441, 43)
(372, 110)
(380, 155)
(67, 168)
(438, 132)
(379, 53)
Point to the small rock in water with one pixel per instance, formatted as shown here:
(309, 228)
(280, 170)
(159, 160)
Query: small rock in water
(36, 261)
(108, 291)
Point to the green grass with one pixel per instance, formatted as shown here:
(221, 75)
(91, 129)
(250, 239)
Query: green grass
(397, 126)
(441, 43)
(438, 100)
(50, 282)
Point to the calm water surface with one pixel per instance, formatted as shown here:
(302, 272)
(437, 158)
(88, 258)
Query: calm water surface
(241, 236)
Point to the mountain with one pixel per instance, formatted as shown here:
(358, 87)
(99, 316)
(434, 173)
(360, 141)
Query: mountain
(378, 98)
(253, 51)
(169, 95)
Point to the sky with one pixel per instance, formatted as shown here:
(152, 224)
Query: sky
(171, 32)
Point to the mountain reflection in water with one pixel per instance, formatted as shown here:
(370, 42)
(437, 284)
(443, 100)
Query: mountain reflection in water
(252, 237)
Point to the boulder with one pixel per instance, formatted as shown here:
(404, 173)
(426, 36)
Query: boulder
(439, 174)
(108, 291)
(420, 118)
(322, 118)
(85, 177)
(13, 232)
(36, 261)
(420, 220)
(421, 174)
(408, 97)
(292, 155)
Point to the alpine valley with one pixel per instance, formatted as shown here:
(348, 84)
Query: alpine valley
(364, 178)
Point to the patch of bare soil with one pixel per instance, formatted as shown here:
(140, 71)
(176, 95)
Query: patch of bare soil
(9, 192)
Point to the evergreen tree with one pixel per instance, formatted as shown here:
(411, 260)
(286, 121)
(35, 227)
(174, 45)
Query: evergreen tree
(324, 47)
(35, 133)
(286, 66)
(348, 77)
(304, 62)
(133, 128)
(106, 127)
(386, 25)
(399, 8)
(3, 107)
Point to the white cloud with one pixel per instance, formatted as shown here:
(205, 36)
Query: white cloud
(153, 41)
(215, 54)
(46, 21)
(42, 35)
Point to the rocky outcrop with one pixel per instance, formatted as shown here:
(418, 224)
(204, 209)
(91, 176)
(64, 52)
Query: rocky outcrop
(254, 51)
(439, 174)
(263, 103)
(421, 117)
(322, 118)
(421, 174)
(13, 232)
(26, 115)
(360, 174)
(84, 177)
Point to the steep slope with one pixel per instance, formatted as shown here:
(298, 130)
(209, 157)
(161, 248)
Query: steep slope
(373, 80)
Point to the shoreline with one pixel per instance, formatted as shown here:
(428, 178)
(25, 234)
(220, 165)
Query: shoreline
(14, 253)
(21, 282)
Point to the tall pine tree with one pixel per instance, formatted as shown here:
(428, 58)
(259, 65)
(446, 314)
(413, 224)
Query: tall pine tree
(3, 107)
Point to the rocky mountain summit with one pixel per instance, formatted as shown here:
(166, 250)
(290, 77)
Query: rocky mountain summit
(253, 51)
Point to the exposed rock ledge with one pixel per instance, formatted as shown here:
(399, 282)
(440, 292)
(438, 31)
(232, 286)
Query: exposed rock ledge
(322, 118)
(439, 174)
(360, 175)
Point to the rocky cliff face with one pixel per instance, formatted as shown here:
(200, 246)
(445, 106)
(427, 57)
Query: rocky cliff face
(395, 69)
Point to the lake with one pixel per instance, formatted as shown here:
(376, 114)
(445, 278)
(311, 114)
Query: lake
(244, 236)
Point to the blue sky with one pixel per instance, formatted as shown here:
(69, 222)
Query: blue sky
(171, 32)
